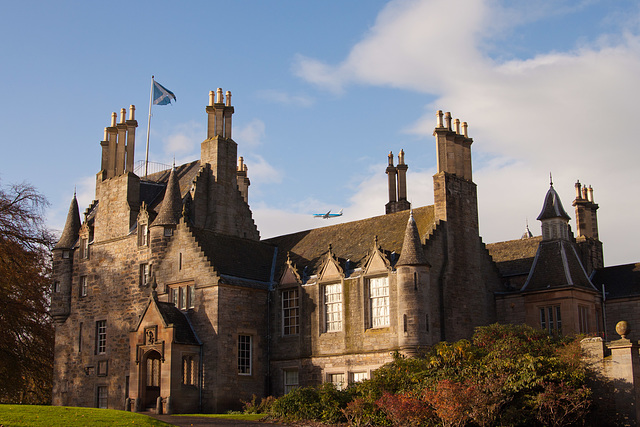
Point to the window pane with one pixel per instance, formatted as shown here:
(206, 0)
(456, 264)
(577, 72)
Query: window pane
(101, 397)
(379, 298)
(101, 336)
(337, 380)
(290, 312)
(333, 307)
(244, 354)
(290, 380)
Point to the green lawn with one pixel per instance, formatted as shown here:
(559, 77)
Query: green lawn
(63, 416)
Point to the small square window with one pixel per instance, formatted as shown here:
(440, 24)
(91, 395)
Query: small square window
(168, 232)
(66, 254)
(102, 368)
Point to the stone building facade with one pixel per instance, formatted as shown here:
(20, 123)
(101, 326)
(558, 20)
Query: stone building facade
(165, 297)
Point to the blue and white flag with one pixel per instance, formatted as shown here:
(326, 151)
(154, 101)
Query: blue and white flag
(162, 95)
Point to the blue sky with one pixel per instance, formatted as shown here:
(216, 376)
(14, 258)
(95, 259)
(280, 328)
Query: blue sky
(324, 90)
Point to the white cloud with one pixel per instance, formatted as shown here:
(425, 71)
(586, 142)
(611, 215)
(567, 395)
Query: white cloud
(261, 171)
(250, 134)
(184, 139)
(571, 113)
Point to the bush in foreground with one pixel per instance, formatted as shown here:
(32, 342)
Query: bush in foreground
(506, 375)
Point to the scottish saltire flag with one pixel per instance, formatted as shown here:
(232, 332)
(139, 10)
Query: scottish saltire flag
(162, 95)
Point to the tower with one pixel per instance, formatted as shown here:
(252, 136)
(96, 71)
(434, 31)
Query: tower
(413, 291)
(220, 191)
(63, 264)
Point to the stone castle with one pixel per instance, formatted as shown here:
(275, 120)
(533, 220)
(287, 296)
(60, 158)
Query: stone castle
(165, 296)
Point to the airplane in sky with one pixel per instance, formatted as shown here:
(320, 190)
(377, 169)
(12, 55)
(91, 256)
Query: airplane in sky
(328, 215)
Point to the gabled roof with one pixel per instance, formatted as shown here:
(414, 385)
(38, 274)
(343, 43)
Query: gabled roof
(183, 332)
(620, 281)
(349, 241)
(552, 207)
(172, 317)
(236, 257)
(514, 257)
(71, 227)
(556, 265)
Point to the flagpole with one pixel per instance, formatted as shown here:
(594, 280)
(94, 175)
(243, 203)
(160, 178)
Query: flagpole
(146, 157)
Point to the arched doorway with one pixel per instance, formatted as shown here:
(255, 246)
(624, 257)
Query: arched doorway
(151, 374)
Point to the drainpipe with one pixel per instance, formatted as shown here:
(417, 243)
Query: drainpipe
(271, 289)
(200, 380)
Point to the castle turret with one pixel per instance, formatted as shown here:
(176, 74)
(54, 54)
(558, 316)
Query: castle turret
(63, 264)
(171, 208)
(413, 284)
(554, 219)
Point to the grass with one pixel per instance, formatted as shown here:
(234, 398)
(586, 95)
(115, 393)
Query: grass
(63, 416)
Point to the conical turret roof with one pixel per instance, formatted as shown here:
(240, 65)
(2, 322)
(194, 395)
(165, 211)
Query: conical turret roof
(552, 207)
(71, 227)
(412, 252)
(171, 208)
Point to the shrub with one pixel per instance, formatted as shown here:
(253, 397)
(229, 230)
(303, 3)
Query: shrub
(406, 409)
(324, 403)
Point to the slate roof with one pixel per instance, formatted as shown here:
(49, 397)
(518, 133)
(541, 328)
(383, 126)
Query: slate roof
(552, 207)
(183, 332)
(349, 241)
(236, 257)
(412, 252)
(69, 235)
(557, 264)
(171, 207)
(514, 257)
(152, 188)
(620, 281)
